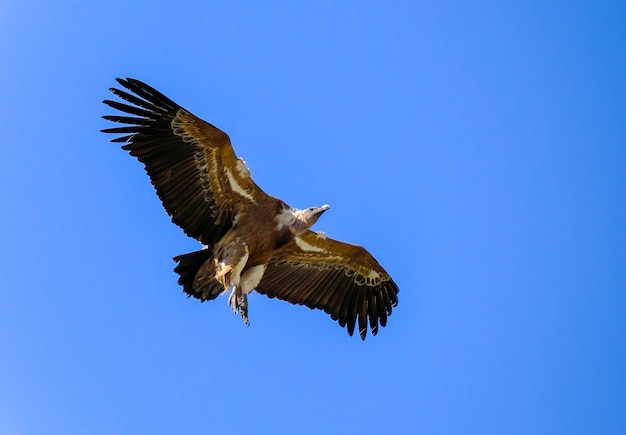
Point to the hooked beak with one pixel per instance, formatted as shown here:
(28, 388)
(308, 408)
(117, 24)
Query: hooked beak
(322, 209)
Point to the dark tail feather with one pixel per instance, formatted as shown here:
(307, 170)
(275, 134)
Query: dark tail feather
(206, 287)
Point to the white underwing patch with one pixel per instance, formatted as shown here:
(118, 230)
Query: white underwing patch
(307, 247)
(237, 187)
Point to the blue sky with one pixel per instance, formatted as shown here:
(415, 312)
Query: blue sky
(477, 150)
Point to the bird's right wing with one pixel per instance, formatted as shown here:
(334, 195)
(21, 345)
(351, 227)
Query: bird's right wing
(199, 179)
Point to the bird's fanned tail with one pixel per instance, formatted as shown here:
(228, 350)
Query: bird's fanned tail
(204, 286)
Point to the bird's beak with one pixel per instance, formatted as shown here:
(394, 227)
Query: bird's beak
(323, 208)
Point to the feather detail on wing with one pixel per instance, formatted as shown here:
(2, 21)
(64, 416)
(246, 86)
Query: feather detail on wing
(199, 179)
(343, 280)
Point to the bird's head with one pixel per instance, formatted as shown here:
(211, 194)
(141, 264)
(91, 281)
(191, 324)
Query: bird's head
(307, 217)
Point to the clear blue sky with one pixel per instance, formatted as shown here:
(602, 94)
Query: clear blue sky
(478, 150)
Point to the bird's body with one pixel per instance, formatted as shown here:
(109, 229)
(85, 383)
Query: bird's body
(240, 257)
(252, 241)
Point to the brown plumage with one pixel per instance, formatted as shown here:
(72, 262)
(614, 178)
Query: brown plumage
(252, 241)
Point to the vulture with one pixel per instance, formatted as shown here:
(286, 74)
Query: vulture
(250, 240)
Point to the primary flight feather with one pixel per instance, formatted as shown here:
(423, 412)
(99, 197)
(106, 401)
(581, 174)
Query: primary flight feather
(251, 240)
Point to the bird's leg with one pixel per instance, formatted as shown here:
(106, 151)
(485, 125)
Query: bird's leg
(232, 300)
(223, 273)
(244, 309)
(238, 302)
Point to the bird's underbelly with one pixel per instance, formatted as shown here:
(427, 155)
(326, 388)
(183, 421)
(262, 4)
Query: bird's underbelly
(240, 264)
(251, 277)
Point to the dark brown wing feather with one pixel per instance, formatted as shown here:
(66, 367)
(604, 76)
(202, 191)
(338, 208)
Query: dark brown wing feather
(343, 280)
(190, 162)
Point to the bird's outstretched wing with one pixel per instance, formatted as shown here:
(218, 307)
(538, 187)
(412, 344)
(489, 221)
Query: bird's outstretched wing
(199, 179)
(343, 280)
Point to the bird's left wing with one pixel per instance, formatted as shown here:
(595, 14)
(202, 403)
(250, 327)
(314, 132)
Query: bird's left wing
(343, 280)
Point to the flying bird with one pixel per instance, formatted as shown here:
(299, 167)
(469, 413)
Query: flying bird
(251, 240)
